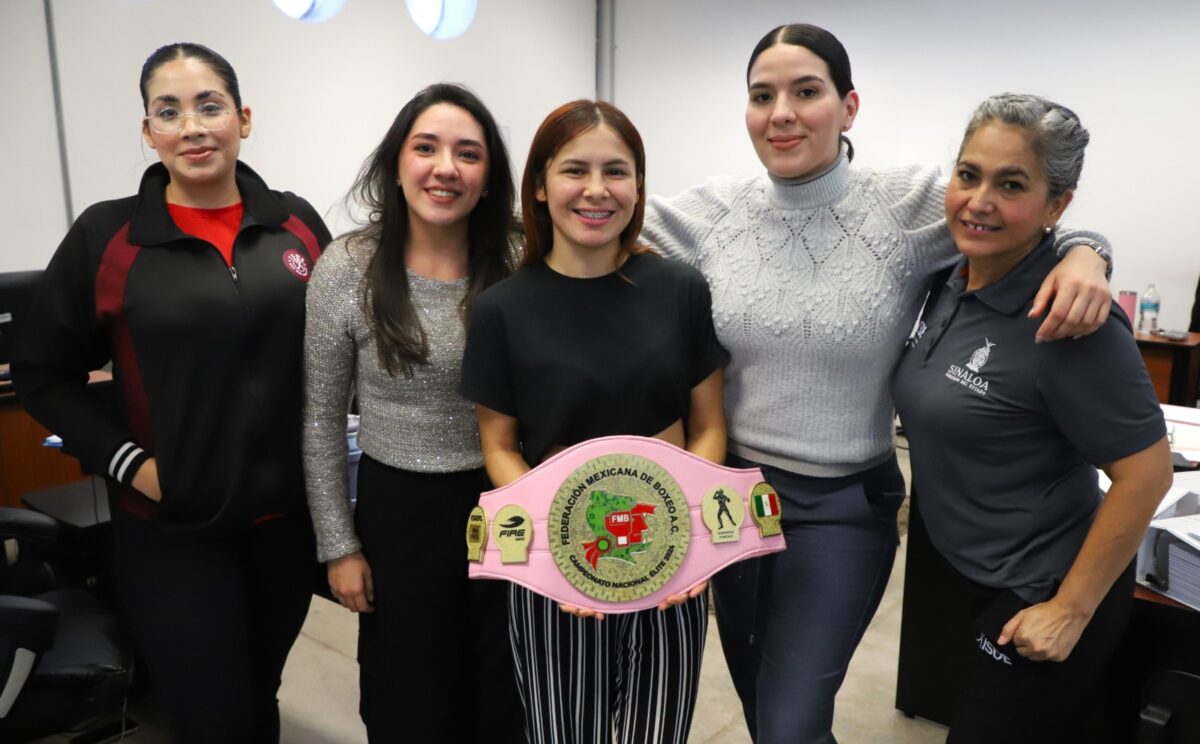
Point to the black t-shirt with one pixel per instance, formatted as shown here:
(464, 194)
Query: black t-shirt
(574, 359)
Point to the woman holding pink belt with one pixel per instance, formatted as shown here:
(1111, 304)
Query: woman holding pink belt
(595, 336)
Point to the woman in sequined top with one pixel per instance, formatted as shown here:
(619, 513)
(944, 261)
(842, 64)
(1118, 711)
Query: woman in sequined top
(386, 312)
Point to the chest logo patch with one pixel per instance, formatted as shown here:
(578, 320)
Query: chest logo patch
(621, 527)
(968, 376)
(980, 357)
(296, 263)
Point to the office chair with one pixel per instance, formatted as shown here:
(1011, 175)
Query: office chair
(63, 659)
(1169, 711)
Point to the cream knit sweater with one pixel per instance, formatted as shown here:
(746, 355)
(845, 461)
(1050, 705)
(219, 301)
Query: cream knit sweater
(815, 287)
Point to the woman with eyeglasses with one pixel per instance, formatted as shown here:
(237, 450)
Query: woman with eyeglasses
(194, 290)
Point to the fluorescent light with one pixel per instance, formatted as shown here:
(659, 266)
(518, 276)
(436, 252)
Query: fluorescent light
(312, 11)
(294, 9)
(442, 19)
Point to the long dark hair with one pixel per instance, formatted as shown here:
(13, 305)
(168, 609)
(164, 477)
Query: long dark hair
(821, 43)
(564, 124)
(491, 229)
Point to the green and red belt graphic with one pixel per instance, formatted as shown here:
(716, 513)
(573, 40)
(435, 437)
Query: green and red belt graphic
(765, 504)
(619, 524)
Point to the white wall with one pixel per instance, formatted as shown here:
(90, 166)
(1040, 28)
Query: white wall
(1128, 69)
(322, 94)
(32, 208)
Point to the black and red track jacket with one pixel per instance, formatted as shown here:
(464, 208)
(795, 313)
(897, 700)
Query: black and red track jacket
(207, 358)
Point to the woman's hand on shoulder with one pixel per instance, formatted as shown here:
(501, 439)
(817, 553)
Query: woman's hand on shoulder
(145, 481)
(350, 582)
(1080, 293)
(1045, 632)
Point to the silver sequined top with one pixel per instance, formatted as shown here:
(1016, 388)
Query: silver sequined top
(419, 424)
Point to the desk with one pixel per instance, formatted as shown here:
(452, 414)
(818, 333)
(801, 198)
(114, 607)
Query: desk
(1174, 367)
(82, 505)
(25, 465)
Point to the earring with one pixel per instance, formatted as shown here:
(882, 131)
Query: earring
(1048, 229)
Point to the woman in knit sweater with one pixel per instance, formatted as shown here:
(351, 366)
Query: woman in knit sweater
(817, 274)
(386, 310)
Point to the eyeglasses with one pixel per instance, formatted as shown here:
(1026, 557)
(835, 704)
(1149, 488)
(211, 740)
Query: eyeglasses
(210, 117)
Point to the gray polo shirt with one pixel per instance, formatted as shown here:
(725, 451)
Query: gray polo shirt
(1005, 433)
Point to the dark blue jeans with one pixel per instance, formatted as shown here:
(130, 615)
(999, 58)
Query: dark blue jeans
(790, 621)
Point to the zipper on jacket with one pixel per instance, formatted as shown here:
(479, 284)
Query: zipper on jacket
(233, 273)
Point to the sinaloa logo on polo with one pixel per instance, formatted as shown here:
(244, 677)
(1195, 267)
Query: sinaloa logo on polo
(980, 357)
(620, 527)
(968, 375)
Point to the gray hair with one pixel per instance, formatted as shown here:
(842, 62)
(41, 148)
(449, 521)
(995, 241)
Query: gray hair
(1058, 137)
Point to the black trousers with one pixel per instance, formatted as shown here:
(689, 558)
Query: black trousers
(1006, 698)
(215, 619)
(434, 656)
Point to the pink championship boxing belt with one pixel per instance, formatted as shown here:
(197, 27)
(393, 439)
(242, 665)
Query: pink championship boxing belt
(618, 523)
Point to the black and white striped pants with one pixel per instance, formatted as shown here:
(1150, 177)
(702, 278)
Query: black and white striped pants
(633, 676)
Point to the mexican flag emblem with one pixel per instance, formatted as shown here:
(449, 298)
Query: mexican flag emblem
(765, 504)
(619, 524)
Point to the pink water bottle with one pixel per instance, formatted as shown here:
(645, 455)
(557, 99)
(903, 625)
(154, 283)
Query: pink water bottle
(1127, 299)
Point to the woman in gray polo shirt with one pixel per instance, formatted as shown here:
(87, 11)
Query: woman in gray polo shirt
(1005, 436)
